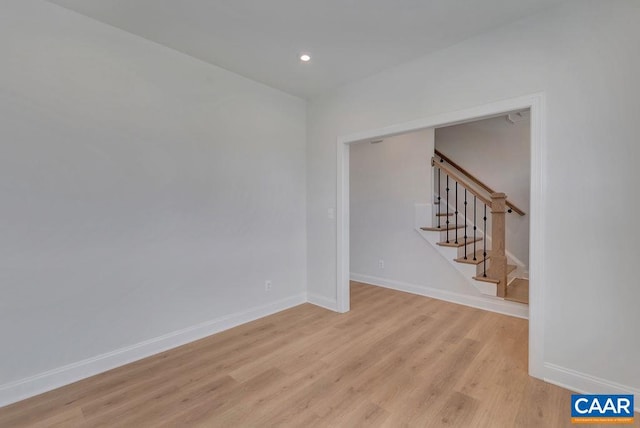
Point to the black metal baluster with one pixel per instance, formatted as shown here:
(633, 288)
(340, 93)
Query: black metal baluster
(484, 243)
(447, 222)
(475, 227)
(439, 198)
(456, 213)
(465, 224)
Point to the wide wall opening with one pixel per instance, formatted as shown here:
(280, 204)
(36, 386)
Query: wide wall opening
(390, 205)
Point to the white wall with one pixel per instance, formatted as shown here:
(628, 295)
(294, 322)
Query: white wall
(142, 191)
(498, 153)
(584, 57)
(386, 181)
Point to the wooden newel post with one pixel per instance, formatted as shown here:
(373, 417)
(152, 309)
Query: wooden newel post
(498, 261)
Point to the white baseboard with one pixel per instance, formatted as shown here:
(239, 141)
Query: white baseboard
(323, 302)
(52, 379)
(586, 384)
(488, 303)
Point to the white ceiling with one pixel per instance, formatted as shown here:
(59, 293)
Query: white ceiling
(348, 39)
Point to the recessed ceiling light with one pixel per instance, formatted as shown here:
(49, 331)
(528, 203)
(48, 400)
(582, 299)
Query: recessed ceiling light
(305, 57)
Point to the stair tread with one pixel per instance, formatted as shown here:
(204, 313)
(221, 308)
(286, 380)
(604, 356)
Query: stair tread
(460, 243)
(442, 228)
(479, 259)
(469, 260)
(486, 279)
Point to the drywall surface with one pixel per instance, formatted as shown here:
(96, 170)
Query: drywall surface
(583, 56)
(386, 181)
(497, 152)
(142, 191)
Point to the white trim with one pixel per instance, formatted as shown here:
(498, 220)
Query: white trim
(492, 304)
(323, 302)
(52, 379)
(342, 211)
(587, 384)
(537, 280)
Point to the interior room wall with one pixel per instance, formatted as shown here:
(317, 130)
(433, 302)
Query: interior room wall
(386, 180)
(583, 57)
(143, 192)
(497, 152)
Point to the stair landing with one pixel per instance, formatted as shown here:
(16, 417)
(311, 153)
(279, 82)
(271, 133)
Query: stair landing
(518, 291)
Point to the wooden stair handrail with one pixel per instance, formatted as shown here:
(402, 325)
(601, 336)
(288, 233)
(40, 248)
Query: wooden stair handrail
(475, 180)
(459, 179)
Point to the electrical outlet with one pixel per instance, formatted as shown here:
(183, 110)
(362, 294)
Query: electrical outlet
(381, 264)
(267, 285)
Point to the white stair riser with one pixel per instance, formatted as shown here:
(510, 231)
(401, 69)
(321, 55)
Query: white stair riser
(516, 273)
(452, 234)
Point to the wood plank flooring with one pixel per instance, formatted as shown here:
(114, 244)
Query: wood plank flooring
(395, 360)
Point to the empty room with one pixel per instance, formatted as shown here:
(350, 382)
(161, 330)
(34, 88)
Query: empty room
(335, 214)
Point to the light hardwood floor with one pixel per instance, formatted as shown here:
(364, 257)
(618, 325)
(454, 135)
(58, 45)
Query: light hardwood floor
(395, 360)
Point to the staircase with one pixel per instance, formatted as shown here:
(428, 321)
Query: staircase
(467, 227)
